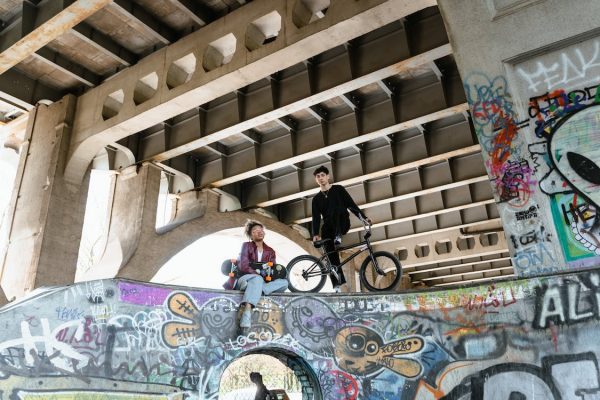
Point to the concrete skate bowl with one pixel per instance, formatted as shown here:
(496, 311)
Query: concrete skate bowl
(119, 339)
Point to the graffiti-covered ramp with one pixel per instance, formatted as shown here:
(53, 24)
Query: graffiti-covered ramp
(113, 339)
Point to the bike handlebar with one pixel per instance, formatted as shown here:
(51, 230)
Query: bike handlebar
(366, 222)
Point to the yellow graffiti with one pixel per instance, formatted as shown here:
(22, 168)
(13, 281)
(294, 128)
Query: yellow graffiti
(179, 333)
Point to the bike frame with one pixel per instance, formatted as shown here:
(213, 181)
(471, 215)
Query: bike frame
(325, 256)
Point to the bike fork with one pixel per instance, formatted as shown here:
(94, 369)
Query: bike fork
(375, 264)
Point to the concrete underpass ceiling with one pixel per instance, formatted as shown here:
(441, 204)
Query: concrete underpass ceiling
(385, 111)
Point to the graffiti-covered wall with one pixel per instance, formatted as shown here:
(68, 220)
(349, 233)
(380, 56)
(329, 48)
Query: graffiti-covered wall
(120, 339)
(534, 93)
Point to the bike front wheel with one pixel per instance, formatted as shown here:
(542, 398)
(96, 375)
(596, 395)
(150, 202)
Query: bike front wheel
(306, 274)
(379, 282)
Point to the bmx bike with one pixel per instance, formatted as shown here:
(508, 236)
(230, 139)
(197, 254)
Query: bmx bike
(380, 271)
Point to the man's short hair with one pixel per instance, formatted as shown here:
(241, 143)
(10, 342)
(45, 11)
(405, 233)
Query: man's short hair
(323, 169)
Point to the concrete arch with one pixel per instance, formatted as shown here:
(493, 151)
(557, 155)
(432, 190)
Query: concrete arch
(155, 249)
(309, 381)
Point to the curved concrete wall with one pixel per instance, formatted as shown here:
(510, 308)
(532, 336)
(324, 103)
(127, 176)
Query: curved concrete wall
(157, 249)
(118, 339)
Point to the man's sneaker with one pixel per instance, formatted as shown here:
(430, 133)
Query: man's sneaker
(338, 240)
(337, 288)
(246, 320)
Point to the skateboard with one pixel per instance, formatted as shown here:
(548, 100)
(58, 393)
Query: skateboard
(268, 271)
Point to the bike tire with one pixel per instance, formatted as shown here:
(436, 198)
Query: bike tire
(391, 266)
(297, 283)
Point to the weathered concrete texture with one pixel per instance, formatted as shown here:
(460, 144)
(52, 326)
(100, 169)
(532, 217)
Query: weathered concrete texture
(50, 21)
(527, 339)
(3, 299)
(46, 214)
(534, 95)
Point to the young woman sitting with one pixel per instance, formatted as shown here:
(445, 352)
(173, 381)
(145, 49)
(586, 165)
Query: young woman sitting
(250, 281)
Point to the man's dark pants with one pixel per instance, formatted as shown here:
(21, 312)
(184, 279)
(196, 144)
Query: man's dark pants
(337, 225)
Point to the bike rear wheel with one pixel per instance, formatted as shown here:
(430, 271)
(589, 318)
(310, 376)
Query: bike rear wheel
(375, 282)
(306, 274)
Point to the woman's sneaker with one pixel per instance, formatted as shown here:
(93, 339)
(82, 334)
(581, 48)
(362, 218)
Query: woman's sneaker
(246, 320)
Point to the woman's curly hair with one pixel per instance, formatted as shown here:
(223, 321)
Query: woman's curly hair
(251, 223)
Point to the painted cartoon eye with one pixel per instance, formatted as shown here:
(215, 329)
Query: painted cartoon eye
(585, 168)
(372, 348)
(588, 215)
(355, 342)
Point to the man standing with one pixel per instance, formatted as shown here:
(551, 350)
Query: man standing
(332, 203)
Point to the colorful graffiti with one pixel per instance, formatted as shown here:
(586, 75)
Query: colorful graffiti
(566, 160)
(529, 338)
(497, 128)
(544, 159)
(564, 111)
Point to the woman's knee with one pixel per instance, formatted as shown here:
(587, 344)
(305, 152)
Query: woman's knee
(255, 282)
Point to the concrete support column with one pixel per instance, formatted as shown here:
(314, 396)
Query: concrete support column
(534, 107)
(133, 211)
(45, 216)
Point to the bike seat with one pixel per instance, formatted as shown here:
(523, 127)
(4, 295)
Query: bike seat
(320, 243)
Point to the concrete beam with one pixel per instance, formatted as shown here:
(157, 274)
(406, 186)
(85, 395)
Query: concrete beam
(461, 274)
(281, 114)
(51, 20)
(411, 195)
(155, 27)
(377, 174)
(343, 22)
(468, 256)
(105, 44)
(24, 92)
(439, 268)
(199, 13)
(68, 67)
(494, 222)
(428, 214)
(488, 279)
(355, 142)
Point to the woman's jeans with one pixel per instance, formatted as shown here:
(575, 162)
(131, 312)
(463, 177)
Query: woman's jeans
(256, 286)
